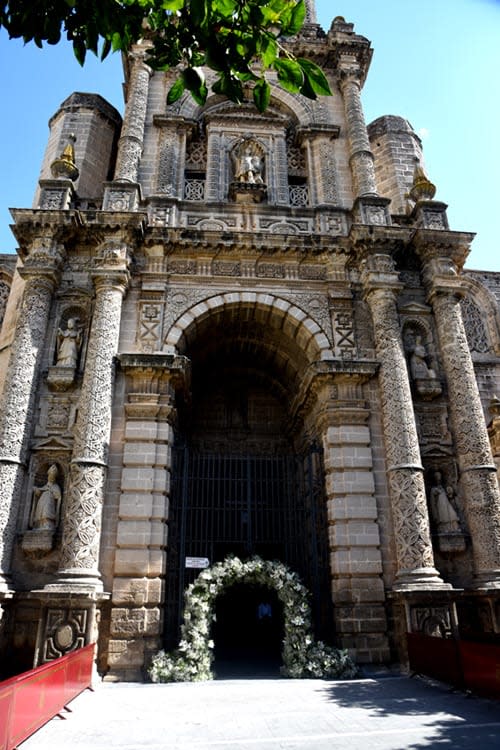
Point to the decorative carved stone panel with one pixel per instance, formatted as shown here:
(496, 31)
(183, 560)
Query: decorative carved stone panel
(150, 325)
(65, 630)
(475, 330)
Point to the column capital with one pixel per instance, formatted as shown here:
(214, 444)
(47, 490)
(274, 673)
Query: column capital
(447, 250)
(319, 132)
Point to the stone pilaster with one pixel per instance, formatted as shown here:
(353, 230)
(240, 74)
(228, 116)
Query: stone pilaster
(478, 475)
(132, 135)
(173, 154)
(357, 587)
(41, 274)
(361, 157)
(415, 560)
(322, 180)
(82, 511)
(143, 513)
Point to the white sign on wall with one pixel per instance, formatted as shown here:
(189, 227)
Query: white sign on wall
(197, 562)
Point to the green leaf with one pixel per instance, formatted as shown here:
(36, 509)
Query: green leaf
(315, 77)
(262, 94)
(226, 7)
(172, 5)
(176, 91)
(290, 75)
(268, 50)
(79, 50)
(198, 11)
(194, 81)
(297, 18)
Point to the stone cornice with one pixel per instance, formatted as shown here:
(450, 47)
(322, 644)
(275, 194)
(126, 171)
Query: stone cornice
(431, 244)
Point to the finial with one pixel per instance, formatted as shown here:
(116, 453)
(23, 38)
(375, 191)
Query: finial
(64, 166)
(422, 188)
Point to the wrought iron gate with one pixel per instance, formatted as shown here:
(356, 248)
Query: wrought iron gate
(244, 504)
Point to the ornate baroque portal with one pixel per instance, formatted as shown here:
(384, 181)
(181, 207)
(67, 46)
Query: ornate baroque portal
(233, 332)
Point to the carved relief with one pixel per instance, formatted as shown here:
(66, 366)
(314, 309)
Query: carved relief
(343, 331)
(475, 330)
(151, 314)
(167, 173)
(65, 630)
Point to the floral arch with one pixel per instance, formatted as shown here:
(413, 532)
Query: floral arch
(302, 656)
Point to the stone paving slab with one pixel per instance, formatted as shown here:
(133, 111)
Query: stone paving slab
(388, 713)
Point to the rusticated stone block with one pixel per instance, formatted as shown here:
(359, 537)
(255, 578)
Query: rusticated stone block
(131, 623)
(137, 591)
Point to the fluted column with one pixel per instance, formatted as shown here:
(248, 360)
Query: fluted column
(41, 273)
(415, 560)
(478, 475)
(361, 157)
(132, 136)
(78, 569)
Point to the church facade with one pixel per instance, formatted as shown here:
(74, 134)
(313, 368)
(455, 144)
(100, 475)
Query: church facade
(235, 333)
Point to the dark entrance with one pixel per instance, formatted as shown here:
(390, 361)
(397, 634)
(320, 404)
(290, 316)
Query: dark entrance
(248, 631)
(246, 480)
(246, 505)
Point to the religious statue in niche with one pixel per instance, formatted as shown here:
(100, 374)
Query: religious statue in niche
(47, 503)
(450, 536)
(44, 515)
(68, 344)
(248, 169)
(423, 375)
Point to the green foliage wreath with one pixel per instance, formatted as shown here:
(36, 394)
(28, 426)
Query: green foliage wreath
(303, 657)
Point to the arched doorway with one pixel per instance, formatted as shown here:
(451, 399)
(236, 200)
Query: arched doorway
(247, 478)
(248, 631)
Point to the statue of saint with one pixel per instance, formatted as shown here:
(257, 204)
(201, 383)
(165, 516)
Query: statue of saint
(46, 503)
(443, 513)
(248, 165)
(68, 345)
(418, 364)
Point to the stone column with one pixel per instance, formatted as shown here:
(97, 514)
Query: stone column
(415, 560)
(41, 273)
(478, 475)
(132, 135)
(361, 157)
(78, 571)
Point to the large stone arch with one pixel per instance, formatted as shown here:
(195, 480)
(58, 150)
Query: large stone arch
(302, 656)
(291, 320)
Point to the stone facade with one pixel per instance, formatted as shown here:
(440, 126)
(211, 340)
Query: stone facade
(235, 332)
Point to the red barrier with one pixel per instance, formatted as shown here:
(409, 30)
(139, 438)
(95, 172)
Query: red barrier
(435, 657)
(481, 666)
(466, 664)
(31, 699)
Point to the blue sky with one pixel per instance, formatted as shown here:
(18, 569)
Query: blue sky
(436, 62)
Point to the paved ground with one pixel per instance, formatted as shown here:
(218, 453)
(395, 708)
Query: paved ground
(379, 713)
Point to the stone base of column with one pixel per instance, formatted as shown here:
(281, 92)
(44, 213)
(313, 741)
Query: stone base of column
(77, 581)
(371, 209)
(420, 579)
(5, 586)
(487, 579)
